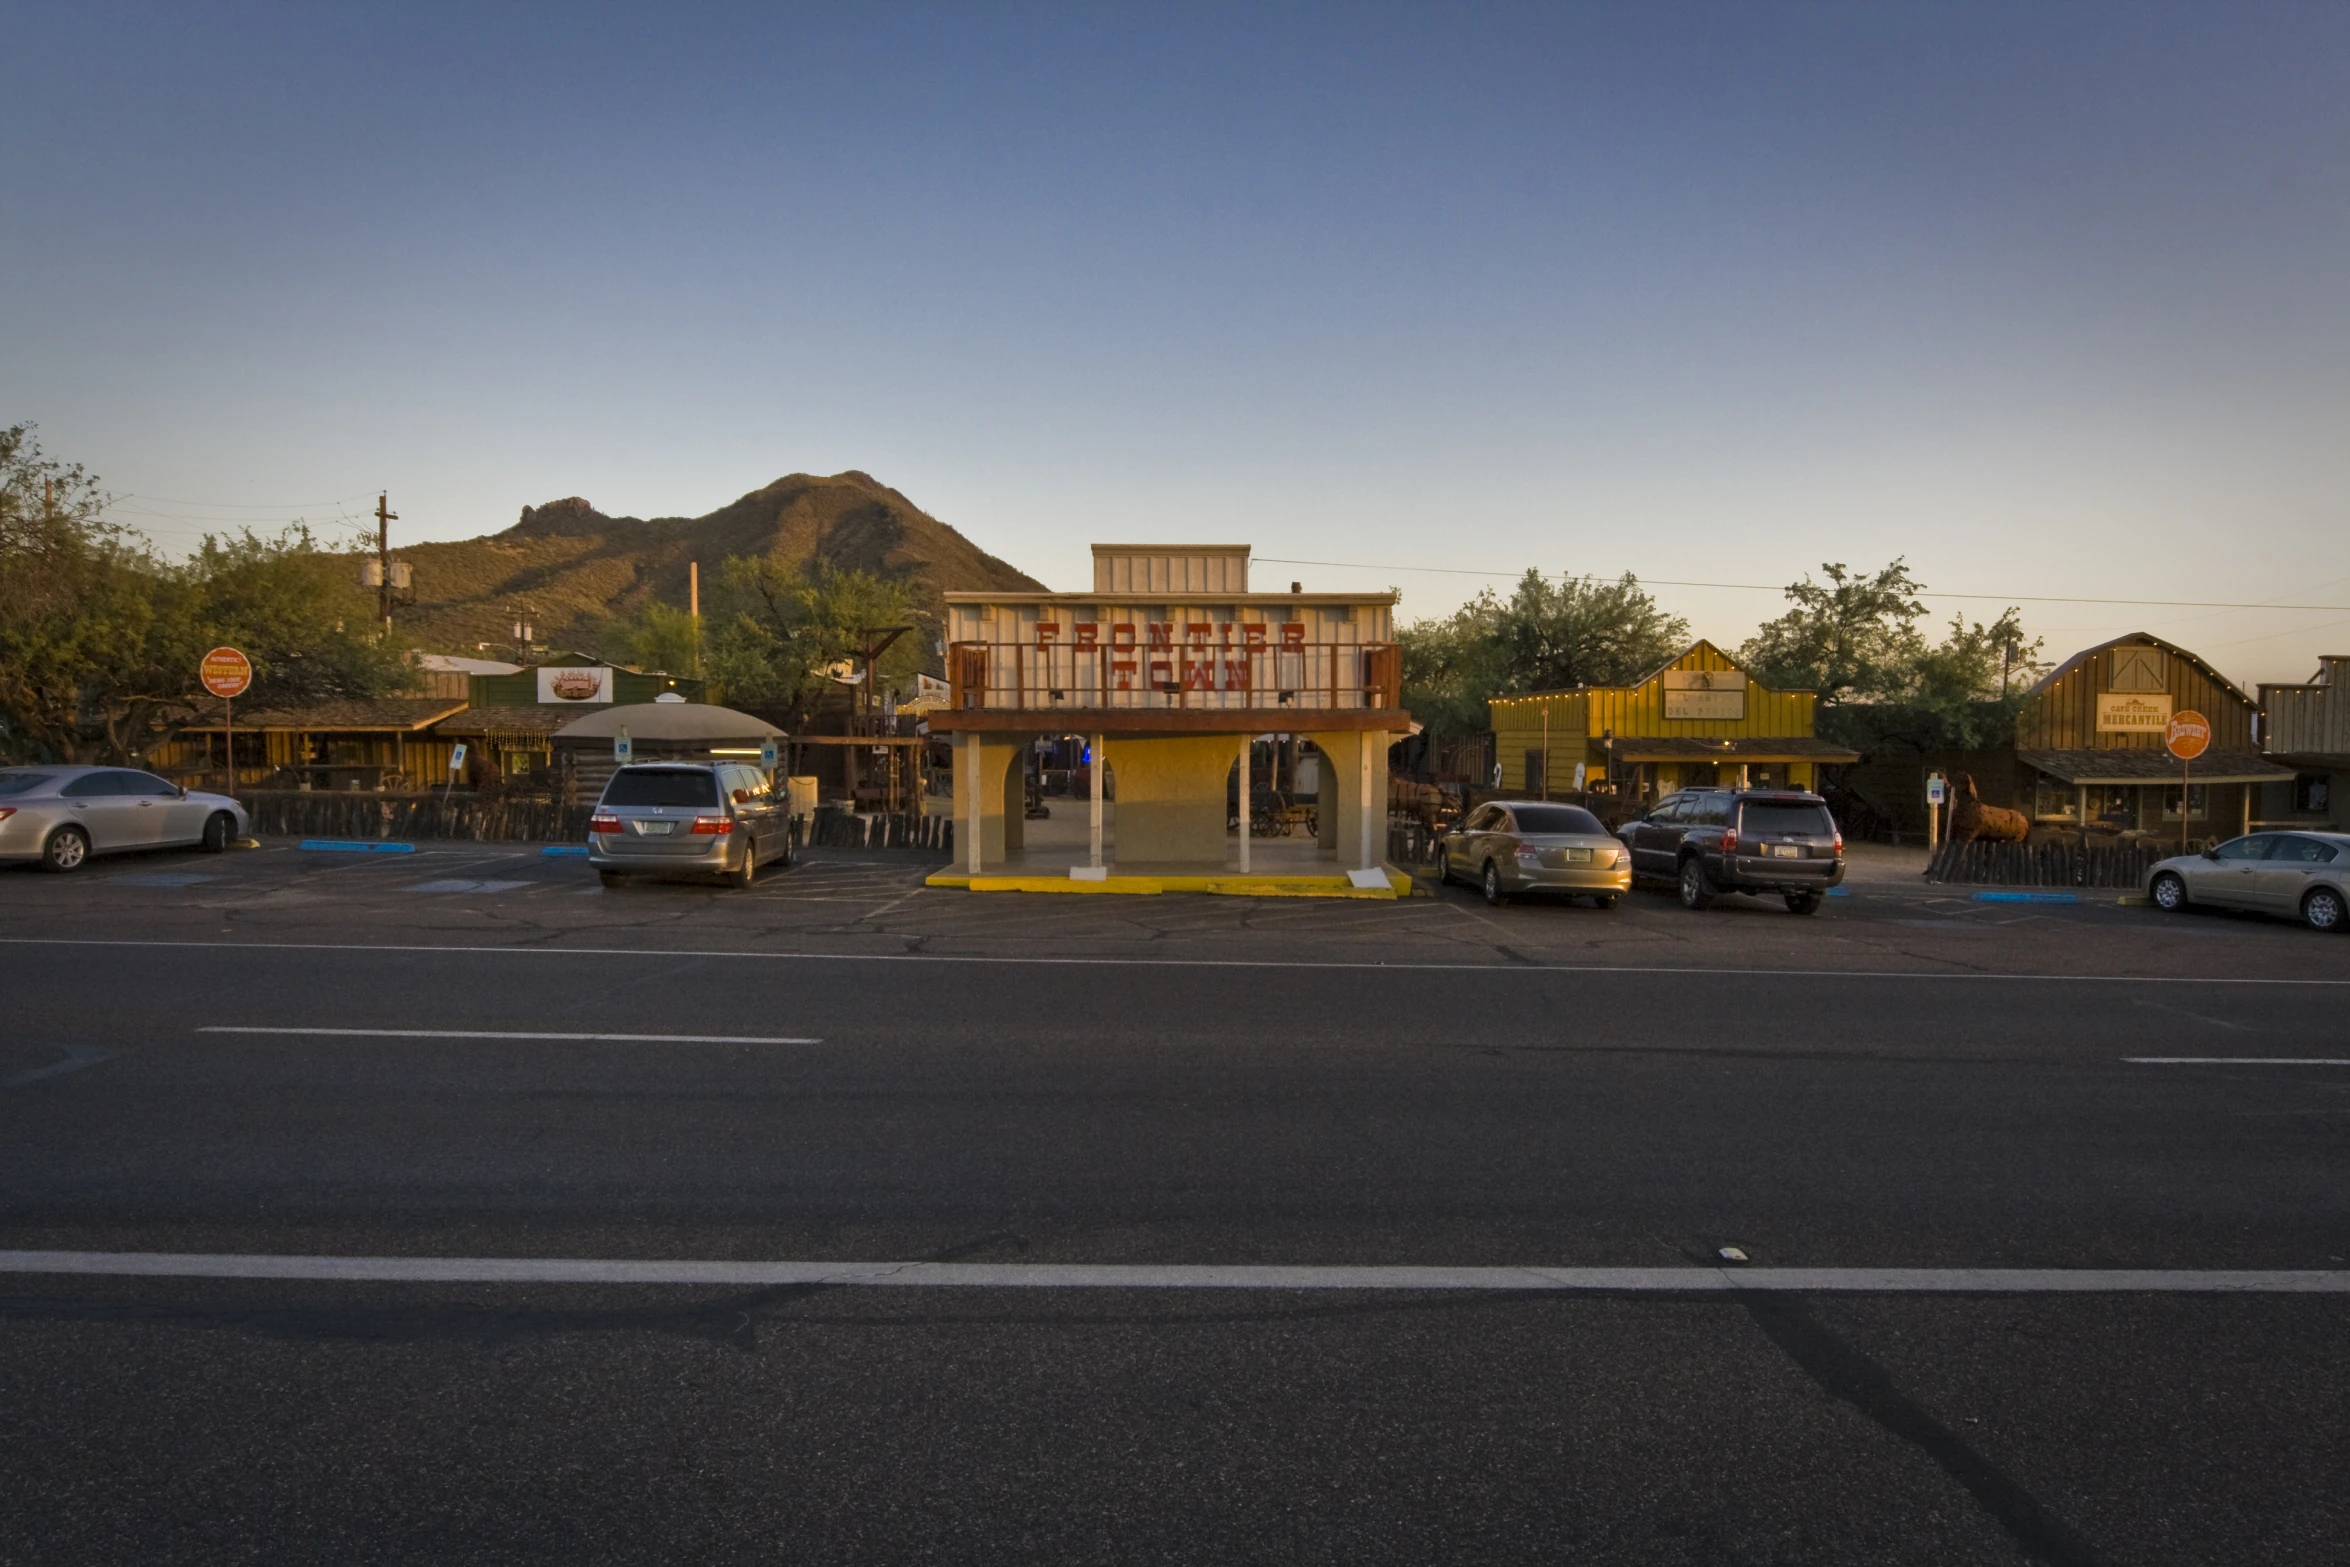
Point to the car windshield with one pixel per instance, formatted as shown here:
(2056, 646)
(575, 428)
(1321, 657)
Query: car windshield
(661, 786)
(1785, 816)
(1557, 818)
(21, 783)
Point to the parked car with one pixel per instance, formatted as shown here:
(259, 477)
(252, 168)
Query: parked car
(2304, 875)
(1508, 847)
(671, 819)
(60, 816)
(1763, 841)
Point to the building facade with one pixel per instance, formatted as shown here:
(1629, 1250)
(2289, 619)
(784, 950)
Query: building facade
(2090, 744)
(1168, 669)
(2306, 728)
(1699, 720)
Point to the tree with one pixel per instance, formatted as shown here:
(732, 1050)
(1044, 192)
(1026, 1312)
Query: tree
(99, 637)
(784, 628)
(665, 639)
(1853, 638)
(1580, 631)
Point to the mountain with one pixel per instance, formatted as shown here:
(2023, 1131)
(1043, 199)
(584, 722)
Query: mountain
(570, 569)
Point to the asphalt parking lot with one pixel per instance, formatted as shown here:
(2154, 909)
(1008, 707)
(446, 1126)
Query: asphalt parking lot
(1910, 1112)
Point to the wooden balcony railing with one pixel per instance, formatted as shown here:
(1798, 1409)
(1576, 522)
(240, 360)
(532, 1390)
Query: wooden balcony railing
(1195, 677)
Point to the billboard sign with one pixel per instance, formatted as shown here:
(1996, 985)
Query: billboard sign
(2133, 712)
(590, 684)
(1704, 693)
(226, 673)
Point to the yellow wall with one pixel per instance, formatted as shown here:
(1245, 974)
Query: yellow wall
(1171, 797)
(1579, 718)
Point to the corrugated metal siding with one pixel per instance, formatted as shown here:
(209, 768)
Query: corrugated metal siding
(1579, 718)
(2062, 715)
(1171, 571)
(2311, 720)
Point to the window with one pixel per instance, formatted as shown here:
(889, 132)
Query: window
(21, 783)
(146, 784)
(92, 786)
(656, 786)
(2198, 803)
(1534, 781)
(2054, 801)
(2301, 851)
(1709, 810)
(2238, 851)
(1766, 816)
(1557, 818)
(2311, 796)
(1668, 809)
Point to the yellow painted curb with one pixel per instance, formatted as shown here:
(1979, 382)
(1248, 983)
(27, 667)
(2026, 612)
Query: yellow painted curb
(1398, 886)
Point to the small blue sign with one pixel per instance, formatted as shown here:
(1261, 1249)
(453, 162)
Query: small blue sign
(769, 755)
(623, 749)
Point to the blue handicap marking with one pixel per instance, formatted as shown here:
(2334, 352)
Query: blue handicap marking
(2027, 897)
(157, 879)
(1839, 892)
(579, 849)
(359, 846)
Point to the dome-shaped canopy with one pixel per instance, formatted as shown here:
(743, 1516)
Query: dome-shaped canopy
(687, 722)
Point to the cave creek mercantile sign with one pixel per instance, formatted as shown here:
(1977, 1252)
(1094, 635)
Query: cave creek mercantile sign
(590, 684)
(1706, 693)
(2133, 712)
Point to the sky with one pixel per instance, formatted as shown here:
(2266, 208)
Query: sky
(2050, 301)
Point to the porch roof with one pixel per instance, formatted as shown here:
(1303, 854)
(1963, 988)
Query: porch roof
(2148, 765)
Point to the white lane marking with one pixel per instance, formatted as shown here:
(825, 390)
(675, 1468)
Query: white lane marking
(76, 1057)
(1091, 1275)
(2238, 1060)
(665, 954)
(469, 1033)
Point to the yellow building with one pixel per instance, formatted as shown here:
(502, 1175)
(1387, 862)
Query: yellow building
(1168, 670)
(1701, 719)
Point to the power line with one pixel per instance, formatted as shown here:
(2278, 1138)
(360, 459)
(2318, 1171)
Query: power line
(167, 500)
(1780, 587)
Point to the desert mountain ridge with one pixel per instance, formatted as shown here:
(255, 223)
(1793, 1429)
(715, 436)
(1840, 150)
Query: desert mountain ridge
(571, 570)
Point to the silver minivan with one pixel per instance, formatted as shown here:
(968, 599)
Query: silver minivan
(688, 819)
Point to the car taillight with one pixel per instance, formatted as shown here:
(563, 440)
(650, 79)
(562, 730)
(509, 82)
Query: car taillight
(1730, 841)
(713, 826)
(1839, 841)
(6, 811)
(603, 824)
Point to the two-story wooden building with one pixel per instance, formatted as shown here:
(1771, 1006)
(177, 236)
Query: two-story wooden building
(1701, 719)
(2090, 741)
(2306, 728)
(1169, 669)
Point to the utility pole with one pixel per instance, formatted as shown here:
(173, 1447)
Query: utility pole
(384, 518)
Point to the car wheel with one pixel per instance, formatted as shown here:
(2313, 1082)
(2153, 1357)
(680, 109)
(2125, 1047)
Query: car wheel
(1696, 891)
(1493, 893)
(612, 878)
(2323, 910)
(748, 871)
(1443, 869)
(219, 828)
(2169, 893)
(66, 849)
(1803, 903)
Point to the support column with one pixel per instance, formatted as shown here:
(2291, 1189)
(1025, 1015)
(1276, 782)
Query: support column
(968, 743)
(1101, 762)
(1244, 749)
(1365, 859)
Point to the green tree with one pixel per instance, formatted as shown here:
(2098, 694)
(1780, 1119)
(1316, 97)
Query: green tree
(665, 639)
(99, 637)
(1545, 636)
(1854, 637)
(783, 628)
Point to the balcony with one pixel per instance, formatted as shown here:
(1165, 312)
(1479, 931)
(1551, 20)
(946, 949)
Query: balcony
(1186, 681)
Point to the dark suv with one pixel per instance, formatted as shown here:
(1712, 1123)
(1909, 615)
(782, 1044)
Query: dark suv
(1712, 841)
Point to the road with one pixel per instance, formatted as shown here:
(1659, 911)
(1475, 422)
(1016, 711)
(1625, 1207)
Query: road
(1007, 1100)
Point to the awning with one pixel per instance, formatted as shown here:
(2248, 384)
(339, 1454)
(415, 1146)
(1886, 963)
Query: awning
(2152, 765)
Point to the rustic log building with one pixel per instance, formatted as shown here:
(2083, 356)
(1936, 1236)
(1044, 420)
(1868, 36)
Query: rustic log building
(2306, 728)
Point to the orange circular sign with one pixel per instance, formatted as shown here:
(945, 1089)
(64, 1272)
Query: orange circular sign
(2189, 734)
(225, 672)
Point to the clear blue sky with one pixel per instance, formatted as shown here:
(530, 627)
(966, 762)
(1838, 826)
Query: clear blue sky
(2051, 299)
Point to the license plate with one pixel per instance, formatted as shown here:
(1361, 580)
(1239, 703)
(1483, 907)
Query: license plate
(653, 829)
(1788, 851)
(1578, 856)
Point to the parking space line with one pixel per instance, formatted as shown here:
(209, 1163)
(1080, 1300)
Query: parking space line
(2238, 1060)
(1164, 1276)
(465, 1033)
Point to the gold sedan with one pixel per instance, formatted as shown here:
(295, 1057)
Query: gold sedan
(1508, 847)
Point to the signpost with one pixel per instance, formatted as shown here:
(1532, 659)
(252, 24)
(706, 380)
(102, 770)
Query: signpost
(227, 674)
(2188, 737)
(622, 748)
(769, 755)
(1937, 791)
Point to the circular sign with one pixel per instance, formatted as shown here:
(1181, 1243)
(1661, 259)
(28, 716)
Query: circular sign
(225, 672)
(2189, 735)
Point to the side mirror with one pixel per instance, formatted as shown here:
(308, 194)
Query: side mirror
(2211, 853)
(183, 789)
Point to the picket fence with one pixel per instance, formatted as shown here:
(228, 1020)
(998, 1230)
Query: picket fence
(302, 813)
(2046, 864)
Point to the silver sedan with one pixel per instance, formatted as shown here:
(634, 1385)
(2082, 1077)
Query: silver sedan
(60, 816)
(1508, 847)
(2300, 875)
